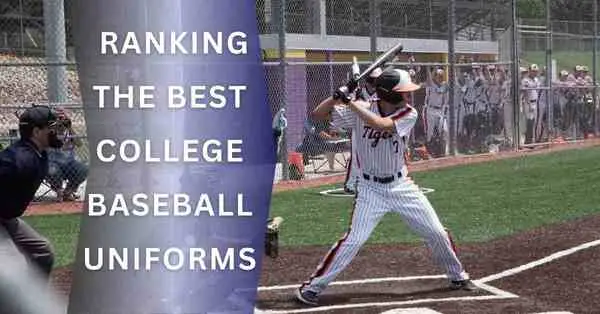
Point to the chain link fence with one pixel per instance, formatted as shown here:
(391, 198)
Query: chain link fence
(461, 52)
(35, 68)
(558, 85)
(493, 78)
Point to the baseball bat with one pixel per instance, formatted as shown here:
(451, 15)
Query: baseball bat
(381, 60)
(355, 68)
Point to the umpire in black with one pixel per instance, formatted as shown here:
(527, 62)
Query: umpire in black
(23, 167)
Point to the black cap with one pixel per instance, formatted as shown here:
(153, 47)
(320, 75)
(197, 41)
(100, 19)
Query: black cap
(38, 116)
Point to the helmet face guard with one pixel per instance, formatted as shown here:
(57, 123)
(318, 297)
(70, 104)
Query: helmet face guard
(57, 130)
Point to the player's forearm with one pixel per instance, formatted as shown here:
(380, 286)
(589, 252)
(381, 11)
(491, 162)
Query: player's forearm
(324, 108)
(371, 118)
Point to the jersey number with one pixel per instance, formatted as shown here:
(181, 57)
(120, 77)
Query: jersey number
(396, 144)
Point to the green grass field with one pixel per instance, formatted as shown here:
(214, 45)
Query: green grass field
(477, 202)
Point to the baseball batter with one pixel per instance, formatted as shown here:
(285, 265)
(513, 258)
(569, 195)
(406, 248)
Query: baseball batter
(382, 128)
(366, 94)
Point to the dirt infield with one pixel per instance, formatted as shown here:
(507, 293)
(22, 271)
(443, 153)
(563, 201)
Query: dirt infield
(567, 282)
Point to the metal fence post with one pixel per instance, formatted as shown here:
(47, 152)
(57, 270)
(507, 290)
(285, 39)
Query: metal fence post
(56, 51)
(594, 69)
(285, 170)
(373, 27)
(21, 28)
(515, 76)
(451, 75)
(549, 71)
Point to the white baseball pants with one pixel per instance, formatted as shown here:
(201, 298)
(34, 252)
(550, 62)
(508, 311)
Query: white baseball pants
(352, 175)
(434, 118)
(373, 201)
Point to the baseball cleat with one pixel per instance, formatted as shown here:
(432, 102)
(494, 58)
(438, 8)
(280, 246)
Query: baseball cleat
(463, 285)
(307, 297)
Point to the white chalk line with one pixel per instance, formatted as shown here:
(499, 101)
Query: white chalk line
(542, 261)
(382, 304)
(496, 294)
(494, 290)
(358, 281)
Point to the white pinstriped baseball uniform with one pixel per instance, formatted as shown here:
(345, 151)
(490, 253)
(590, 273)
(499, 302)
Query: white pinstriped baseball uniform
(353, 174)
(436, 101)
(381, 154)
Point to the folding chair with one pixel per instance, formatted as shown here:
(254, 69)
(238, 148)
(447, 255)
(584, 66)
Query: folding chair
(315, 149)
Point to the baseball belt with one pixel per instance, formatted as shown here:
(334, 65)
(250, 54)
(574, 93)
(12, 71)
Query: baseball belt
(382, 180)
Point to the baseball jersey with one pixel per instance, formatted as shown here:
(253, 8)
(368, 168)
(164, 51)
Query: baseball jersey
(506, 90)
(494, 91)
(563, 91)
(436, 95)
(352, 171)
(470, 91)
(378, 153)
(573, 78)
(530, 86)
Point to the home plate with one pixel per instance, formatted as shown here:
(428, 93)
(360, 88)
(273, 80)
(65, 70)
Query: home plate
(411, 311)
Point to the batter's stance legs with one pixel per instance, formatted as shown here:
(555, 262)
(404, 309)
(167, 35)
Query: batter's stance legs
(366, 215)
(371, 204)
(418, 213)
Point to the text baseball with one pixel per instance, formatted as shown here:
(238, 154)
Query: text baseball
(166, 205)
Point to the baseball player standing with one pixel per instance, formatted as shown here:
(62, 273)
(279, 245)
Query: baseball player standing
(382, 128)
(473, 102)
(460, 93)
(564, 98)
(436, 105)
(366, 94)
(531, 85)
(507, 106)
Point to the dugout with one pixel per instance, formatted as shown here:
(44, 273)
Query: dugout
(316, 65)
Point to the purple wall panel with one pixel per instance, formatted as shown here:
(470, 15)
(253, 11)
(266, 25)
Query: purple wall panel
(296, 86)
